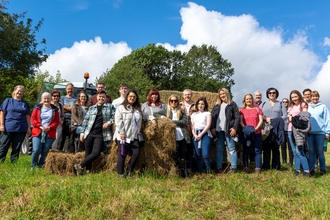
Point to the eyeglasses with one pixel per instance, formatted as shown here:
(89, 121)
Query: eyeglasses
(173, 100)
(270, 93)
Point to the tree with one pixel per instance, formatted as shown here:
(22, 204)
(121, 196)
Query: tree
(125, 71)
(19, 53)
(206, 70)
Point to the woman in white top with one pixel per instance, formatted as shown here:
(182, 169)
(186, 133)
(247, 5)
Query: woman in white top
(178, 116)
(200, 124)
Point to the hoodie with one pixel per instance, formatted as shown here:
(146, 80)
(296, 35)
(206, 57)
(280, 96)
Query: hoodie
(320, 118)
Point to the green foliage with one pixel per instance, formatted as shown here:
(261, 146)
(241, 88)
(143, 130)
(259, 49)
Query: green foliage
(200, 69)
(19, 53)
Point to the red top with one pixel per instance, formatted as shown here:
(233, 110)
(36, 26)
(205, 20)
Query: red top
(36, 122)
(251, 117)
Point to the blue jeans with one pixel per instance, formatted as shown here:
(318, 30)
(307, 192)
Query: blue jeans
(204, 150)
(40, 149)
(256, 145)
(298, 155)
(315, 147)
(15, 139)
(220, 146)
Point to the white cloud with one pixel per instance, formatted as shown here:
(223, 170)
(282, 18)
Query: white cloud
(93, 56)
(326, 41)
(261, 57)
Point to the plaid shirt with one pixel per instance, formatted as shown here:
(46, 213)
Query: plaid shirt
(108, 112)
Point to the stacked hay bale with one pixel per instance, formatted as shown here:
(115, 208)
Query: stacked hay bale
(61, 163)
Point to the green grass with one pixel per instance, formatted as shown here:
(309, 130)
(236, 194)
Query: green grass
(26, 194)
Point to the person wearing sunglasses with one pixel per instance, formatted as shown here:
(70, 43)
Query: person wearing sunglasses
(178, 116)
(56, 102)
(286, 146)
(274, 113)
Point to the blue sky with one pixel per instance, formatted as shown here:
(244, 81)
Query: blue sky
(285, 42)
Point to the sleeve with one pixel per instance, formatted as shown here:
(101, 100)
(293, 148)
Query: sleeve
(236, 116)
(34, 119)
(56, 121)
(213, 115)
(74, 115)
(326, 121)
(160, 113)
(85, 122)
(4, 105)
(112, 114)
(120, 128)
(183, 120)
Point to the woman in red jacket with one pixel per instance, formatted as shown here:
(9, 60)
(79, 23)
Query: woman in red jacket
(45, 119)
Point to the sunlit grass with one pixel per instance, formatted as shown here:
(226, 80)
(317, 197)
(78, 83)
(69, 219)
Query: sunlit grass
(26, 194)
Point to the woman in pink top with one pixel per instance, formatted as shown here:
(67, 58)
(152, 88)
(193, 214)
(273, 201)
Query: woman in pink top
(296, 106)
(251, 121)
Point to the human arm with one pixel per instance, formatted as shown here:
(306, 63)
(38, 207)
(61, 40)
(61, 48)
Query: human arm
(119, 121)
(110, 111)
(2, 121)
(75, 117)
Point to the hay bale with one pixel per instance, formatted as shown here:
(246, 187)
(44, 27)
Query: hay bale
(61, 163)
(210, 96)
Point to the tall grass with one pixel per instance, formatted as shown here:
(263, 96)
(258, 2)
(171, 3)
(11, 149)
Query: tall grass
(26, 194)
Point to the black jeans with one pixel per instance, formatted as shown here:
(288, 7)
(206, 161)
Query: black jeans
(15, 139)
(132, 149)
(67, 139)
(93, 147)
(286, 145)
(271, 147)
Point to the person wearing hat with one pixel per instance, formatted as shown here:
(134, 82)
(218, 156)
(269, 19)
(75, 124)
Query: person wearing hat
(274, 113)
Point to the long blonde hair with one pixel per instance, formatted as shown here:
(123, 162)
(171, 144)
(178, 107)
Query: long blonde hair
(229, 100)
(243, 101)
(169, 108)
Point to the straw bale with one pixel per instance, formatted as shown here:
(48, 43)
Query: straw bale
(60, 162)
(211, 97)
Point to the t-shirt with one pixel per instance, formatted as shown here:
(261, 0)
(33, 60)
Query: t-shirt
(294, 110)
(15, 118)
(251, 117)
(96, 130)
(200, 120)
(221, 121)
(118, 101)
(66, 101)
(46, 115)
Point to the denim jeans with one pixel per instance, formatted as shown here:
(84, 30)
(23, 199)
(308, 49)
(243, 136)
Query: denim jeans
(256, 146)
(298, 155)
(15, 139)
(40, 149)
(204, 150)
(315, 147)
(220, 146)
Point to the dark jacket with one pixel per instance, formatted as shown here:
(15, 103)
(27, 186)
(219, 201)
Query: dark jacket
(232, 117)
(248, 132)
(278, 130)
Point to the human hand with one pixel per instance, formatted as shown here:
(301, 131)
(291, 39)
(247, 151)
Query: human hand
(122, 136)
(2, 128)
(105, 125)
(232, 132)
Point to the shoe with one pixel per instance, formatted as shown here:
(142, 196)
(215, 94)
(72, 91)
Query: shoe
(78, 169)
(257, 170)
(312, 172)
(296, 173)
(307, 174)
(232, 170)
(246, 170)
(323, 172)
(219, 170)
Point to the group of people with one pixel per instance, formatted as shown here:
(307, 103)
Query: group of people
(299, 123)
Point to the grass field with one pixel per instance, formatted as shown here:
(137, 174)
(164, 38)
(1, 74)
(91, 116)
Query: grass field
(26, 194)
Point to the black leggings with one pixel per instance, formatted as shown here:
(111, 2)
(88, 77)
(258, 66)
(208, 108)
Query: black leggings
(134, 150)
(93, 147)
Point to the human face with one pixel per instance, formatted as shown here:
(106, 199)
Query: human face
(46, 100)
(315, 99)
(223, 96)
(201, 106)
(131, 98)
(248, 101)
(295, 98)
(69, 90)
(154, 98)
(18, 93)
(272, 95)
(285, 102)
(82, 98)
(174, 102)
(100, 99)
(257, 97)
(100, 87)
(307, 96)
(187, 96)
(55, 97)
(123, 90)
